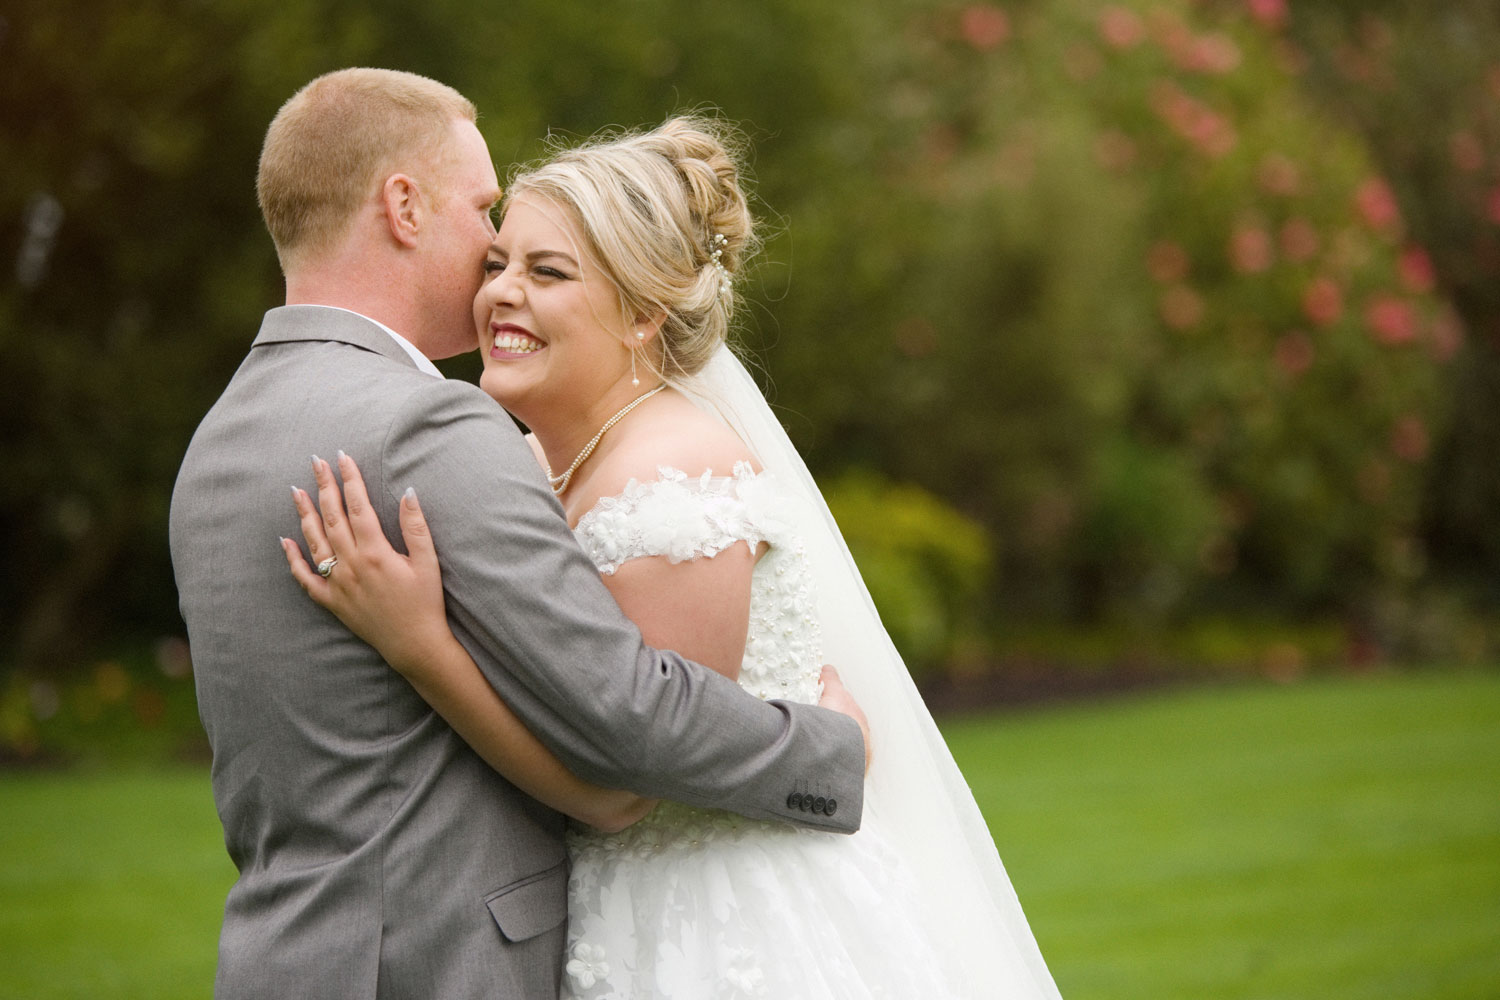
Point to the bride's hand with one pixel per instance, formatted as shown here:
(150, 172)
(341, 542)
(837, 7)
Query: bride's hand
(838, 698)
(392, 601)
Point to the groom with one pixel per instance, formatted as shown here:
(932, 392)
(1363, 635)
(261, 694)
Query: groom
(378, 855)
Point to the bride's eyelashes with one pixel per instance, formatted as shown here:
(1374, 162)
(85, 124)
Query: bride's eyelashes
(493, 267)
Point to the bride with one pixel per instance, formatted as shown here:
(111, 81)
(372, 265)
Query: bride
(602, 323)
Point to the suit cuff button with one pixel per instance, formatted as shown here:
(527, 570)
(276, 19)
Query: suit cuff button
(794, 801)
(831, 807)
(819, 804)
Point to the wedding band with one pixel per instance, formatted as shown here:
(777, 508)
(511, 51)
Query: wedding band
(326, 566)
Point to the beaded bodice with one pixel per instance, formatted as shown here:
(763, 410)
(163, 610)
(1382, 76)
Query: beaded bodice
(682, 518)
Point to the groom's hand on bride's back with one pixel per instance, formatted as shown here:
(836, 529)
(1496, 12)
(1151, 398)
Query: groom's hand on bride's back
(838, 698)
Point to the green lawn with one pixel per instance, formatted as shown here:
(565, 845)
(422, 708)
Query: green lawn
(1333, 840)
(111, 885)
(1329, 840)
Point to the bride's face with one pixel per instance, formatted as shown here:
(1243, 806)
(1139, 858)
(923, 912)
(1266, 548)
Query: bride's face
(551, 330)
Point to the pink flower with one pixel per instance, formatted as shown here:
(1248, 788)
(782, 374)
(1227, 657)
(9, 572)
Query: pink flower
(1409, 441)
(984, 26)
(1278, 174)
(1415, 268)
(1294, 353)
(1391, 319)
(1167, 261)
(1215, 54)
(1213, 135)
(1196, 122)
(1299, 240)
(1120, 27)
(1181, 307)
(1271, 13)
(1377, 204)
(1446, 335)
(1323, 301)
(1250, 249)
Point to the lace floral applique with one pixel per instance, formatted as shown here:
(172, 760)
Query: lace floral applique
(681, 518)
(587, 965)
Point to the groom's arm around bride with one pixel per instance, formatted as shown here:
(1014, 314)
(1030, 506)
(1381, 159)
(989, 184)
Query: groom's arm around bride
(378, 855)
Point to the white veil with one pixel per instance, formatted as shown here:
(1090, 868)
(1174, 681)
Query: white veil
(914, 792)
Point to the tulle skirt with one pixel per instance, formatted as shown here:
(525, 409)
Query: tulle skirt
(691, 904)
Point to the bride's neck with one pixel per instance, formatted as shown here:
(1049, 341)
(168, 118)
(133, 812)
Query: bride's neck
(565, 434)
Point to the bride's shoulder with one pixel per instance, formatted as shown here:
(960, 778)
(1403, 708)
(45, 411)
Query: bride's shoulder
(676, 436)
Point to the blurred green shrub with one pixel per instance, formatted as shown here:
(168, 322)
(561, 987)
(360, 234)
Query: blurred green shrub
(1151, 522)
(926, 565)
(135, 706)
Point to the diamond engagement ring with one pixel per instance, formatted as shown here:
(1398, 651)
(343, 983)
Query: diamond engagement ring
(326, 566)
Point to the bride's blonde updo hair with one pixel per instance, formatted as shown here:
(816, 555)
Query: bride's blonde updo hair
(654, 208)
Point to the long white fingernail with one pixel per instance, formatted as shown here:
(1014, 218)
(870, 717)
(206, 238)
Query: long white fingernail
(410, 495)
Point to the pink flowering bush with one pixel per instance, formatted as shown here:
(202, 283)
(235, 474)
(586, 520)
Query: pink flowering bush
(1151, 315)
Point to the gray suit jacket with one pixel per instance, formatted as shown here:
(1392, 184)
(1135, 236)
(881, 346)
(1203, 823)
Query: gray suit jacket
(378, 855)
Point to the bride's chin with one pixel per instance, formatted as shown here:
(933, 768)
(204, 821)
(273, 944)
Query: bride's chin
(502, 390)
(497, 387)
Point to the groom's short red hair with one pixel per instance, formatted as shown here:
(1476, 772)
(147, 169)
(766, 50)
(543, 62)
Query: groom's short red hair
(334, 142)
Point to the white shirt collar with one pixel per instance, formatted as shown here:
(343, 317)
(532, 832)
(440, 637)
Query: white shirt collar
(421, 360)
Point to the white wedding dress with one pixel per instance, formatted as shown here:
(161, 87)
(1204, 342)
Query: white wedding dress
(696, 904)
(693, 904)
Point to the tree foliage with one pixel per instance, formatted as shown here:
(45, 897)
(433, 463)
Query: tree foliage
(1188, 304)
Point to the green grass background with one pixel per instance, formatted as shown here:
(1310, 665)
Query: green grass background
(1338, 838)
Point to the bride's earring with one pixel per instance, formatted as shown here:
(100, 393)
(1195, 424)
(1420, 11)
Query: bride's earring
(640, 335)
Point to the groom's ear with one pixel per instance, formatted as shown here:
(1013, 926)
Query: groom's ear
(404, 208)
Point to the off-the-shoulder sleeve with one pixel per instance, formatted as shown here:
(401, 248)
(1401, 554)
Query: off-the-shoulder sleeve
(682, 518)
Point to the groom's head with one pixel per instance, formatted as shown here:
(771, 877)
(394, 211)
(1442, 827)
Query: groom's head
(334, 141)
(386, 170)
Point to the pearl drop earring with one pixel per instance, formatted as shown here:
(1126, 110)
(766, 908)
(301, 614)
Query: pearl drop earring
(640, 335)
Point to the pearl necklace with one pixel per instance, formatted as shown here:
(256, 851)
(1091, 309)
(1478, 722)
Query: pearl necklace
(560, 483)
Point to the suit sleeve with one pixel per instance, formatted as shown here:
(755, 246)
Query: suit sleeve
(530, 608)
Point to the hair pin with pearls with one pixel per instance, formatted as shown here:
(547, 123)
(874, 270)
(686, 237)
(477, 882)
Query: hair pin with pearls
(720, 242)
